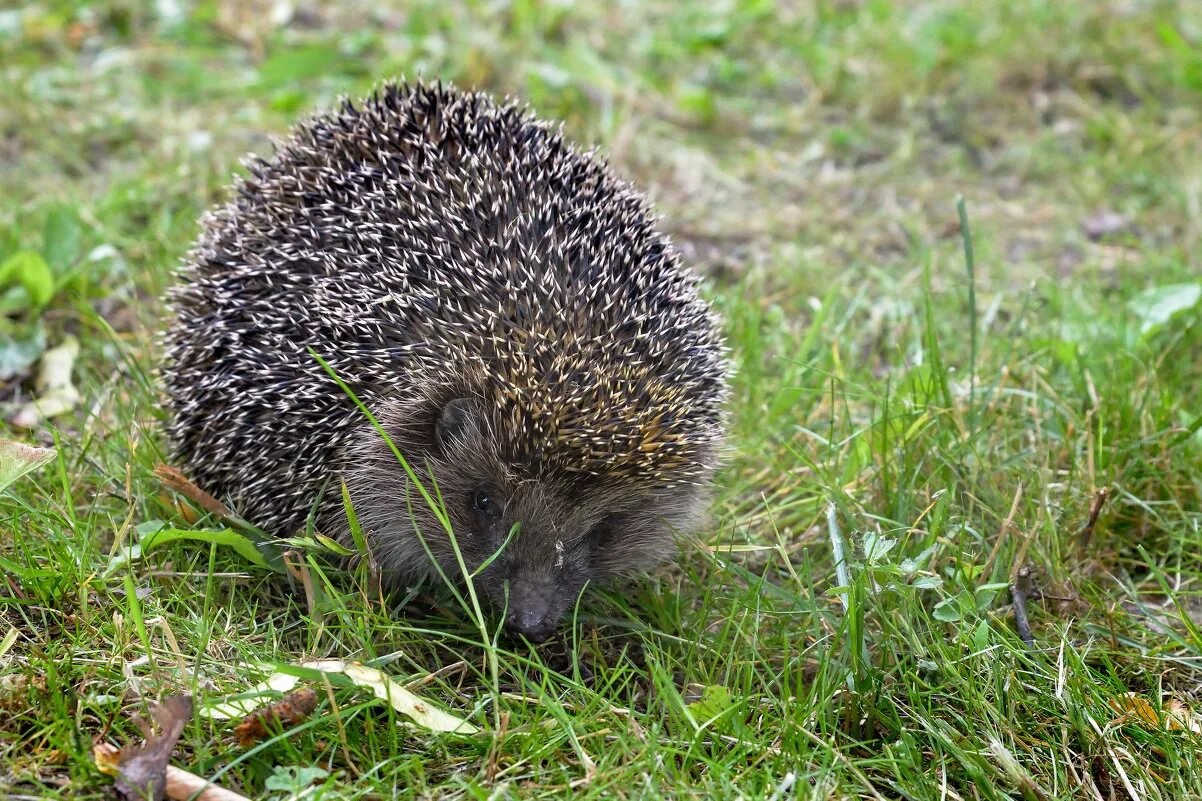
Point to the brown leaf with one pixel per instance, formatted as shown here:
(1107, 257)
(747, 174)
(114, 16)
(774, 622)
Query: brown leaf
(288, 711)
(1131, 706)
(1177, 716)
(142, 771)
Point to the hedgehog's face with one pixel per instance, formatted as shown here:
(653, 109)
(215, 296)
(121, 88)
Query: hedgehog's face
(532, 544)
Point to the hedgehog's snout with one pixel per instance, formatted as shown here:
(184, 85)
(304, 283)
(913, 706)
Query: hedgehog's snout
(537, 603)
(534, 623)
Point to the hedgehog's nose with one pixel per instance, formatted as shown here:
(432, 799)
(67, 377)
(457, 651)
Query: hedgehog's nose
(533, 624)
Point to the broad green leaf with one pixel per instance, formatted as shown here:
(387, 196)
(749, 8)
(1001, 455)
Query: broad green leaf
(986, 593)
(244, 546)
(876, 547)
(712, 707)
(148, 527)
(947, 610)
(17, 459)
(293, 779)
(31, 271)
(9, 639)
(60, 238)
(915, 564)
(1158, 305)
(980, 637)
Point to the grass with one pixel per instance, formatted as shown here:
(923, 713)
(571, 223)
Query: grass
(943, 425)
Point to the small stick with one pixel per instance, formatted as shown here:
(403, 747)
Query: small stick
(1095, 509)
(1020, 590)
(182, 785)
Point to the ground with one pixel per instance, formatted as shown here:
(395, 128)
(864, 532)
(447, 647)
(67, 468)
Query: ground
(945, 423)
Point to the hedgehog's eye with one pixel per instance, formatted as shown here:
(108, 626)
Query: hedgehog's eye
(482, 501)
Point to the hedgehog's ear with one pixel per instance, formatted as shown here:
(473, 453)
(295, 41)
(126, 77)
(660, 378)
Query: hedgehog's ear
(456, 420)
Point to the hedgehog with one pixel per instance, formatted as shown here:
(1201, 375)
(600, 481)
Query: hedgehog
(505, 308)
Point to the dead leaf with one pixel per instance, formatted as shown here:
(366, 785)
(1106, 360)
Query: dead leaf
(405, 702)
(177, 482)
(1177, 716)
(142, 770)
(1131, 706)
(107, 758)
(56, 394)
(382, 686)
(288, 711)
